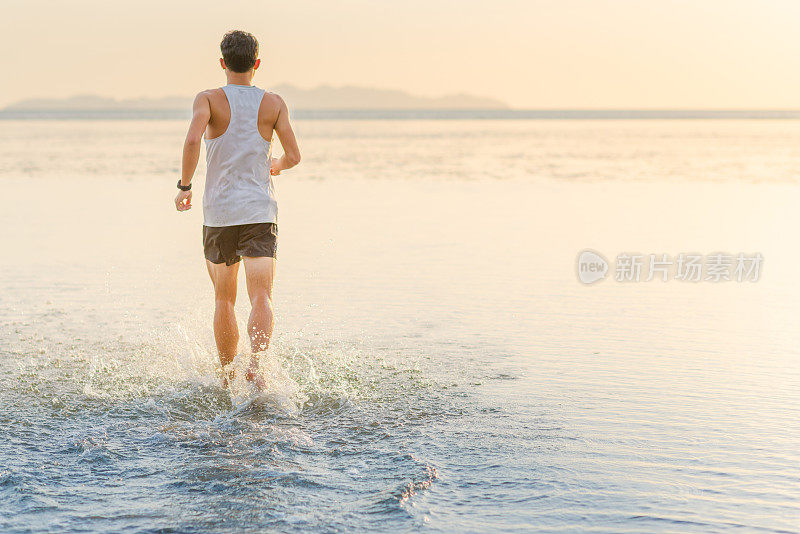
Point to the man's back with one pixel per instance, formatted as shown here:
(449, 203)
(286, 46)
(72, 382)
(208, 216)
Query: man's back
(221, 113)
(239, 188)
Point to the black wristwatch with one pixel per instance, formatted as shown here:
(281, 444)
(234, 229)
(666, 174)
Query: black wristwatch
(184, 187)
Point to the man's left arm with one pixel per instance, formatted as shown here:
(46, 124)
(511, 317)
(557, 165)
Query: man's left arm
(201, 114)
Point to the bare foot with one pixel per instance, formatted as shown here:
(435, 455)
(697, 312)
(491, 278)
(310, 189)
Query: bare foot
(228, 375)
(254, 377)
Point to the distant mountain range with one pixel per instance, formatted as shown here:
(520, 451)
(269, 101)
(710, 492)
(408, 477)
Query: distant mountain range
(323, 97)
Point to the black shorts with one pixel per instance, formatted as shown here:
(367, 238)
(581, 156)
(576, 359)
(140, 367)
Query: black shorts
(227, 244)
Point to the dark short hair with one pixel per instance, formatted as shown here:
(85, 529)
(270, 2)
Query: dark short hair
(239, 50)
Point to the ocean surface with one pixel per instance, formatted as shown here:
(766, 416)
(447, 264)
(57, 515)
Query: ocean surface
(437, 365)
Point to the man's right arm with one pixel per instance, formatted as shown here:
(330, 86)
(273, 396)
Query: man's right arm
(201, 114)
(291, 152)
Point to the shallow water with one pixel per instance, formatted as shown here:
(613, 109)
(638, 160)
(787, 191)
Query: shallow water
(445, 370)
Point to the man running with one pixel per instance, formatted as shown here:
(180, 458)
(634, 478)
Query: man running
(239, 207)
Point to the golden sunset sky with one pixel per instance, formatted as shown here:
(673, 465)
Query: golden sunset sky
(528, 53)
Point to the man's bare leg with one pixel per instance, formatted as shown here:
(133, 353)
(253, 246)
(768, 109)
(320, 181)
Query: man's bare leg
(260, 273)
(226, 331)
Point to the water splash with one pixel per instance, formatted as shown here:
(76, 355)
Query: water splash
(278, 391)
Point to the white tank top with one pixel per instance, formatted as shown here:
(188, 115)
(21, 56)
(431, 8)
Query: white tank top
(239, 188)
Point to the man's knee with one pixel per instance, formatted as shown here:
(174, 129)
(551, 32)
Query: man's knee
(261, 300)
(225, 302)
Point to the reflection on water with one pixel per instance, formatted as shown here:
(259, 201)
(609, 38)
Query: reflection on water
(436, 362)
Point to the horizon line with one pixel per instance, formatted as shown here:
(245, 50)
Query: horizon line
(12, 108)
(425, 114)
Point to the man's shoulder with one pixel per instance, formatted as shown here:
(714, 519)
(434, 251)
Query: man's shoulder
(209, 93)
(212, 99)
(273, 99)
(271, 106)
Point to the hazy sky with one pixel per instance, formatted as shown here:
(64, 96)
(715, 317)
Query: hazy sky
(529, 53)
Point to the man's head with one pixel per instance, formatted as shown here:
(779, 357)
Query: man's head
(239, 51)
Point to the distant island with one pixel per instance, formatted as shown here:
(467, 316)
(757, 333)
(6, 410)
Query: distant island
(318, 98)
(357, 103)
